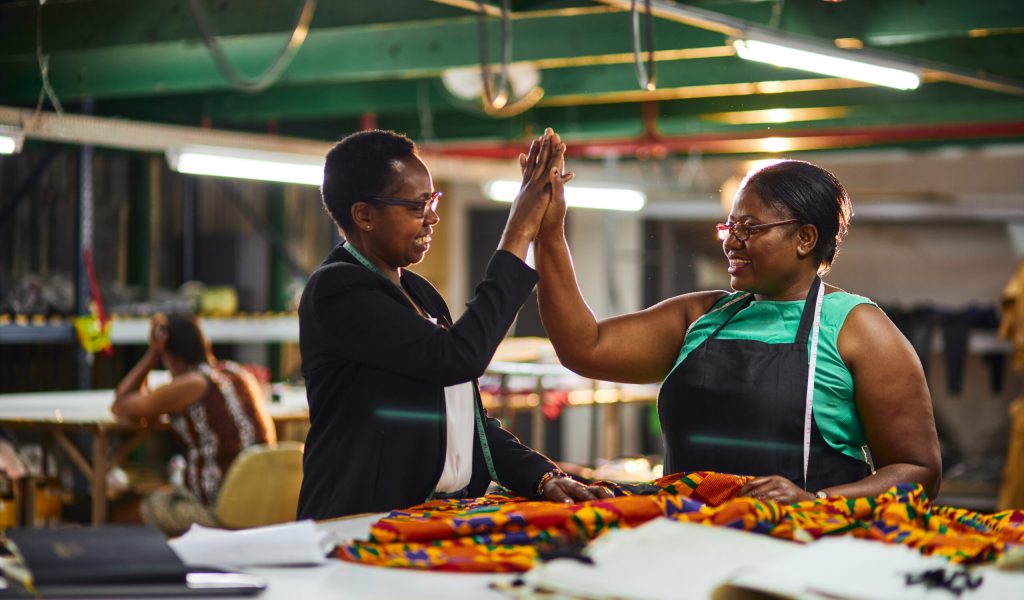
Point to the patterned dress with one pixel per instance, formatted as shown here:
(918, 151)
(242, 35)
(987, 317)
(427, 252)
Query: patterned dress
(216, 428)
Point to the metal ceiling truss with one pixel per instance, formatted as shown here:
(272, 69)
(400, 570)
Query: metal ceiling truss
(385, 58)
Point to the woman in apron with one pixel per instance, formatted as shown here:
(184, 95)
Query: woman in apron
(809, 388)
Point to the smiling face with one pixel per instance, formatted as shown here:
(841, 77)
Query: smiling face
(399, 236)
(768, 263)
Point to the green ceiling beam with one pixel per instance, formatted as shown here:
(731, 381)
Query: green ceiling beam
(331, 55)
(560, 85)
(395, 96)
(86, 24)
(887, 22)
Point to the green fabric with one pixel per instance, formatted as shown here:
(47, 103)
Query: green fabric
(835, 409)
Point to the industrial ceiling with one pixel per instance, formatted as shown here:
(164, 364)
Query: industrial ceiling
(573, 65)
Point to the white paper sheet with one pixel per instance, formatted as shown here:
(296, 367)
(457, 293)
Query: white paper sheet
(300, 543)
(855, 569)
(661, 559)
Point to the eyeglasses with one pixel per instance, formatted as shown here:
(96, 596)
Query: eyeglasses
(419, 206)
(742, 231)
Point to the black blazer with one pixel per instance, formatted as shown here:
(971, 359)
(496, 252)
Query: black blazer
(375, 376)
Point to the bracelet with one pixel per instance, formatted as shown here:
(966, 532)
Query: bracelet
(821, 495)
(548, 477)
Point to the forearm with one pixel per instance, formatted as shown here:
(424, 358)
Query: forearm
(135, 380)
(515, 240)
(569, 322)
(888, 476)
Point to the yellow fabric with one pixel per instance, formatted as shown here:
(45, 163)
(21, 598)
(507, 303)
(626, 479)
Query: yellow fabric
(1012, 324)
(261, 487)
(1011, 492)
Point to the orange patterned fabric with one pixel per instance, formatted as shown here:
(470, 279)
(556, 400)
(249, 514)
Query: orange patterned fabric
(499, 533)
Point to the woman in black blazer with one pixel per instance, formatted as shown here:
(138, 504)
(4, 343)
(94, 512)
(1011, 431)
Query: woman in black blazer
(395, 412)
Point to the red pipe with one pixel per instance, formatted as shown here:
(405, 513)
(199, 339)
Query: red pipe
(748, 142)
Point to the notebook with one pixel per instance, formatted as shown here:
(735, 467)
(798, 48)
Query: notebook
(112, 561)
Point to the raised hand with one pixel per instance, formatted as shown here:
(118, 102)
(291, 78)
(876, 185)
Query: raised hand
(534, 196)
(158, 333)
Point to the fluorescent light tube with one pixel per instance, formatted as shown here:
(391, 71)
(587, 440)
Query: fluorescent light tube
(827, 62)
(11, 139)
(248, 164)
(580, 197)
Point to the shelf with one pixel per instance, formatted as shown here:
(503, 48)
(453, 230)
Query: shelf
(269, 328)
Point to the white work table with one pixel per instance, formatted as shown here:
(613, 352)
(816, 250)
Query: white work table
(57, 413)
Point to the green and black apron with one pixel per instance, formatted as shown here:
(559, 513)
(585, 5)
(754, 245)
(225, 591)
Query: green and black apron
(746, 407)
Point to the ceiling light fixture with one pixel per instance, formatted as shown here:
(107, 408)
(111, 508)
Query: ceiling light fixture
(623, 199)
(11, 139)
(247, 164)
(778, 115)
(784, 51)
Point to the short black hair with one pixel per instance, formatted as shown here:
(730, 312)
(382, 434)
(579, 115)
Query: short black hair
(186, 341)
(359, 166)
(811, 194)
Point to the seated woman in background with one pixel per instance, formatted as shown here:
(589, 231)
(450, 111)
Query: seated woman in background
(391, 378)
(217, 409)
(808, 387)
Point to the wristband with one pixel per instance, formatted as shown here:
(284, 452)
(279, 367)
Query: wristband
(548, 477)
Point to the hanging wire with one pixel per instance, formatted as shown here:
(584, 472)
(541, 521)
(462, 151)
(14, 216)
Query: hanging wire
(776, 17)
(645, 77)
(495, 98)
(44, 67)
(276, 68)
(426, 116)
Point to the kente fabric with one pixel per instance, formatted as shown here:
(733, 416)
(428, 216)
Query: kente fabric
(214, 429)
(501, 533)
(772, 322)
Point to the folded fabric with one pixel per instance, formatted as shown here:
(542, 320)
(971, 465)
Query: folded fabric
(501, 533)
(300, 543)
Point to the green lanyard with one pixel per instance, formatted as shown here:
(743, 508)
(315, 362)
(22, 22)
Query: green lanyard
(481, 432)
(356, 254)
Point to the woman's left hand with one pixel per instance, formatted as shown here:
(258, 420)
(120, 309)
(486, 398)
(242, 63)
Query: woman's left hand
(568, 490)
(775, 488)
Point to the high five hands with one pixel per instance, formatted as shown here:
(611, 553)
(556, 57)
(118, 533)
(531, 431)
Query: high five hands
(553, 221)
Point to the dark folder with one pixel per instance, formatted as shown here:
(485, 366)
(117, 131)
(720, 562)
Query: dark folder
(114, 561)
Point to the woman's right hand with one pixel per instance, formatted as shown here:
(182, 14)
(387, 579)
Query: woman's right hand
(534, 196)
(158, 334)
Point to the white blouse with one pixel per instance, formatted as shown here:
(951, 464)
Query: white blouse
(458, 459)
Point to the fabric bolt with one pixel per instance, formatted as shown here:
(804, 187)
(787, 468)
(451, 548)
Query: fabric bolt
(502, 533)
(218, 426)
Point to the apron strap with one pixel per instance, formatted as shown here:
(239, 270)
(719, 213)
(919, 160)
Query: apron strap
(818, 291)
(739, 306)
(808, 317)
